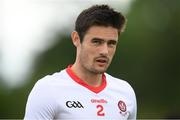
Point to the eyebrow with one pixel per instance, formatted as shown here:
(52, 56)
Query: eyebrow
(103, 39)
(98, 39)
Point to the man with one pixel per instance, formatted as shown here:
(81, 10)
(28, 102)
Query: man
(83, 90)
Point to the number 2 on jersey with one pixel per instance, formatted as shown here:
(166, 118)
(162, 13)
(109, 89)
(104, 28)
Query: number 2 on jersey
(100, 111)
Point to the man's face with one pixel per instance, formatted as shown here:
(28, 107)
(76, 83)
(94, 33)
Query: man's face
(98, 48)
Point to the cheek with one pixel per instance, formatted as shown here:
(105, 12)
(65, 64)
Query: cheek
(112, 52)
(87, 53)
(90, 51)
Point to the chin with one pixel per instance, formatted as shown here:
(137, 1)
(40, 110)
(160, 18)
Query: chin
(100, 71)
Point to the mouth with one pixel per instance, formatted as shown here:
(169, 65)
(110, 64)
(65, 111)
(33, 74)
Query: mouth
(102, 61)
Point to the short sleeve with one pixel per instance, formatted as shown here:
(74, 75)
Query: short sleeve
(40, 103)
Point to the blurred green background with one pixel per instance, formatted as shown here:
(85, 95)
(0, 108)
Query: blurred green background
(147, 56)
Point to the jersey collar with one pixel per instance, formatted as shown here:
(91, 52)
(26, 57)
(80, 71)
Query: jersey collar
(81, 82)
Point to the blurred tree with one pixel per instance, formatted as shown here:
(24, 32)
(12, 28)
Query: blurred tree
(56, 58)
(53, 60)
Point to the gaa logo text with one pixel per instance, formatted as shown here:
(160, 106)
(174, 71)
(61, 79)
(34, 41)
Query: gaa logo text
(74, 104)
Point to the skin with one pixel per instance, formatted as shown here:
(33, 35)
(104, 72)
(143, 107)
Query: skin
(94, 54)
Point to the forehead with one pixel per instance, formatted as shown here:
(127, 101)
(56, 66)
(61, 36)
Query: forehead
(102, 32)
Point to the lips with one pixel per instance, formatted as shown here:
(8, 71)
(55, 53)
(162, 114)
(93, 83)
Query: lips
(102, 60)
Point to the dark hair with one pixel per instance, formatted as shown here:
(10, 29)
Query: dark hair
(100, 15)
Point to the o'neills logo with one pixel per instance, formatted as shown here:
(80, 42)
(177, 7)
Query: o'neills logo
(98, 101)
(122, 106)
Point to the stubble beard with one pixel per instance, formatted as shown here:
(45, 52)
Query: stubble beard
(93, 68)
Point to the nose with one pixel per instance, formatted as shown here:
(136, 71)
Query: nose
(104, 49)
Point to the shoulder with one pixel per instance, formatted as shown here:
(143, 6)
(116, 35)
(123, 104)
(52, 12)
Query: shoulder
(126, 91)
(52, 80)
(41, 103)
(119, 83)
(47, 85)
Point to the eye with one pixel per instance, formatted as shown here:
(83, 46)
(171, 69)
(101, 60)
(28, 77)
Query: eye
(97, 41)
(112, 43)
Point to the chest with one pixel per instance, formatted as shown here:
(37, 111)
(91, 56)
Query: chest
(78, 103)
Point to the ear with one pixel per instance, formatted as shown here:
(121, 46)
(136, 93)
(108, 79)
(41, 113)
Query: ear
(75, 38)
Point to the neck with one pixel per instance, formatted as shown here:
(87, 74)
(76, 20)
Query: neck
(88, 77)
